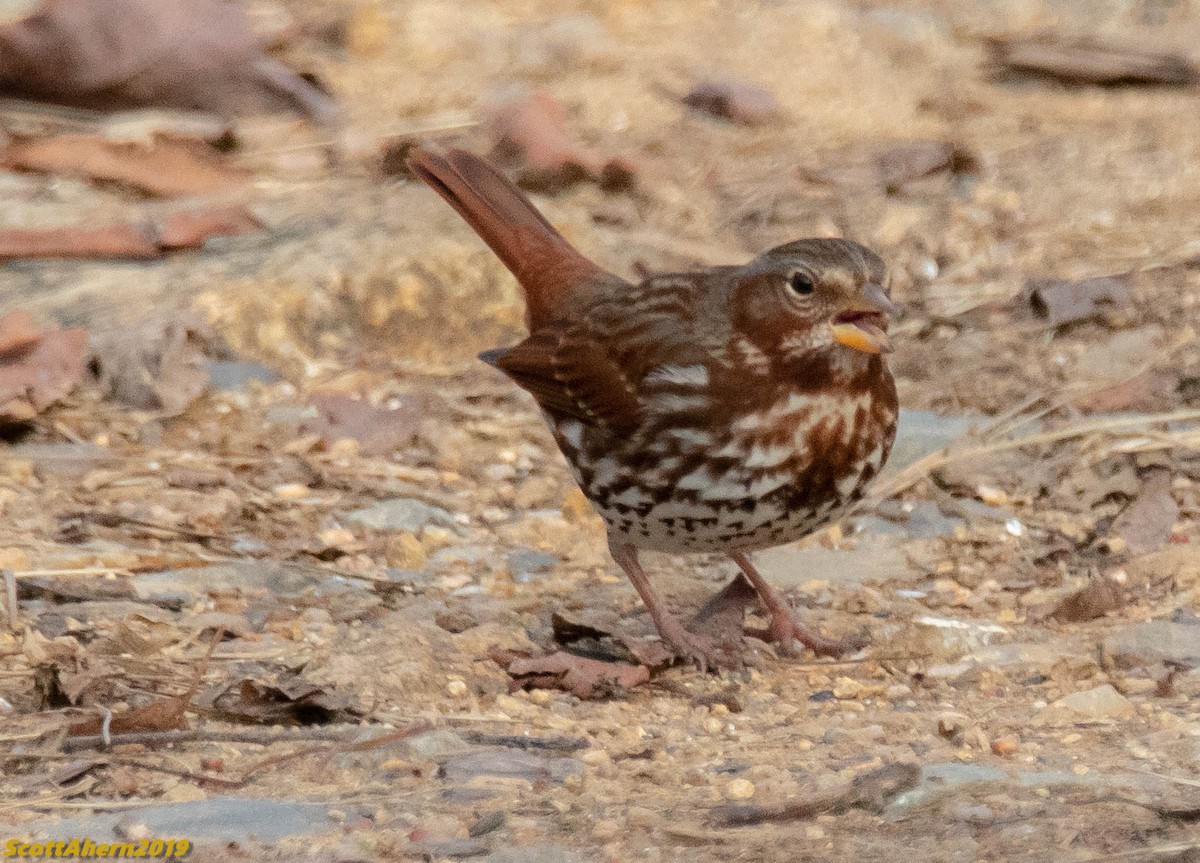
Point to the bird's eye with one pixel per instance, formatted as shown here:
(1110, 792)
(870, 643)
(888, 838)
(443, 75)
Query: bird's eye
(800, 283)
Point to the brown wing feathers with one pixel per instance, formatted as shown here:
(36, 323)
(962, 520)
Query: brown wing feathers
(552, 273)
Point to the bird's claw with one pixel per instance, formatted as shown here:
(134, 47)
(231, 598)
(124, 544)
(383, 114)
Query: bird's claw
(703, 651)
(784, 631)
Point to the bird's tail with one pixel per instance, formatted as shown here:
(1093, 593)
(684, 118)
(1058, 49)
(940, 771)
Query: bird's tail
(552, 273)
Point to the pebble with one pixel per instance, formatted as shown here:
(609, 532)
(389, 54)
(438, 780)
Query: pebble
(291, 491)
(847, 688)
(401, 513)
(1154, 642)
(739, 789)
(456, 688)
(1102, 702)
(605, 830)
(1005, 746)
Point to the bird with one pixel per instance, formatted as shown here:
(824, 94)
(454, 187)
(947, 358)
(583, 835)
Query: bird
(727, 409)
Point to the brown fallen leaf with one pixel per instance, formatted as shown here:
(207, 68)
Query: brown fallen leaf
(37, 367)
(605, 644)
(889, 166)
(113, 54)
(379, 430)
(1147, 523)
(529, 132)
(169, 168)
(166, 714)
(1059, 302)
(187, 229)
(1089, 61)
(1142, 393)
(287, 700)
(584, 678)
(157, 365)
(190, 229)
(1095, 599)
(736, 101)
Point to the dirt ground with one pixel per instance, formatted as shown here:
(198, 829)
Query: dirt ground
(320, 615)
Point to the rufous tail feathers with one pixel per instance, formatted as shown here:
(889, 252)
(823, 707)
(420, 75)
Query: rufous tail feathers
(552, 273)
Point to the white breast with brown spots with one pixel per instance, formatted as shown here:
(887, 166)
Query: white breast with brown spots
(755, 484)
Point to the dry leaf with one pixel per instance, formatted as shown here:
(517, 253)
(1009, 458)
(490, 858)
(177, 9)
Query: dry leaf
(529, 131)
(1090, 61)
(1095, 599)
(889, 166)
(584, 678)
(379, 430)
(157, 365)
(1146, 524)
(1059, 302)
(114, 54)
(1142, 393)
(169, 168)
(188, 229)
(166, 714)
(290, 700)
(37, 367)
(736, 101)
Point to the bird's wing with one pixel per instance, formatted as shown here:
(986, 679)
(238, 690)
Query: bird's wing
(607, 369)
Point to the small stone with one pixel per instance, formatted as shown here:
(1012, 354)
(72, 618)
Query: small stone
(435, 744)
(291, 491)
(337, 537)
(527, 562)
(847, 688)
(1102, 702)
(1153, 643)
(456, 688)
(575, 506)
(605, 830)
(595, 757)
(405, 551)
(1005, 747)
(640, 816)
(508, 764)
(401, 513)
(952, 725)
(813, 832)
(739, 789)
(14, 558)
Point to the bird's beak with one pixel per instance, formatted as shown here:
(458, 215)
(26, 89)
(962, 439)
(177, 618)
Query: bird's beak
(861, 324)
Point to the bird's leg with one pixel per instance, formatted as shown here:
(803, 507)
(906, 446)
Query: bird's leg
(784, 629)
(688, 645)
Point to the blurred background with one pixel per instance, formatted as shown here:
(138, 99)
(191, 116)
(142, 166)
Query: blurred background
(244, 441)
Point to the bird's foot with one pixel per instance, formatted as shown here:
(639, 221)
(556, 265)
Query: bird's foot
(785, 631)
(703, 651)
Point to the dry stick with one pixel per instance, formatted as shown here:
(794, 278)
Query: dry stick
(451, 123)
(67, 573)
(10, 592)
(923, 467)
(200, 735)
(1158, 850)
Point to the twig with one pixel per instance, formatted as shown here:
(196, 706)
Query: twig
(10, 593)
(66, 573)
(923, 467)
(517, 741)
(1157, 850)
(166, 738)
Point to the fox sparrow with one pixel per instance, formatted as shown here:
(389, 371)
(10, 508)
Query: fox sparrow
(722, 410)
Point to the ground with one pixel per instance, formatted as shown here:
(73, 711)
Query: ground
(243, 559)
